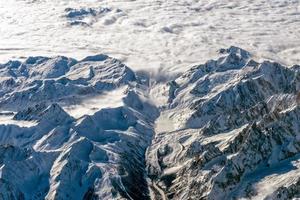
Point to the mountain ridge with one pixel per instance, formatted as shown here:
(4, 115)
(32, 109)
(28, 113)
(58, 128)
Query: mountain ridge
(225, 129)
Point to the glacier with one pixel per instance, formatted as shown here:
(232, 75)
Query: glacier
(164, 112)
(234, 134)
(96, 129)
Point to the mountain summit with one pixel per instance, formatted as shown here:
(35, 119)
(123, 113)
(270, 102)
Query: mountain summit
(92, 129)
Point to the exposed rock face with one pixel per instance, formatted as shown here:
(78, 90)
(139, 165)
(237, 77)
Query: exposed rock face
(236, 127)
(229, 129)
(100, 155)
(42, 79)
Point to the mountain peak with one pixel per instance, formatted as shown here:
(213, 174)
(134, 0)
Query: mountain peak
(98, 57)
(43, 113)
(229, 127)
(235, 50)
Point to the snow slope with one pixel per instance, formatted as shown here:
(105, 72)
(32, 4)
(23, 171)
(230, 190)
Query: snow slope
(150, 34)
(90, 127)
(94, 129)
(234, 135)
(73, 129)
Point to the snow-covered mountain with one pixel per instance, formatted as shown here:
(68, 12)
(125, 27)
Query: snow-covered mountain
(98, 153)
(95, 129)
(234, 134)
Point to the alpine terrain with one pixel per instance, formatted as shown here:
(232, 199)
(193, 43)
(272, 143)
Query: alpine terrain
(95, 129)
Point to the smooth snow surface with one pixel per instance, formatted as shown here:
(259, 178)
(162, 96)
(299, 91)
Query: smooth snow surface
(90, 105)
(164, 123)
(150, 34)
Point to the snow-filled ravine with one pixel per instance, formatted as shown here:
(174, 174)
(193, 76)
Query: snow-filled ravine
(229, 129)
(169, 35)
(93, 128)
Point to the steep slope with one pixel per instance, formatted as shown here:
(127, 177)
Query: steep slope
(89, 129)
(59, 79)
(100, 154)
(235, 131)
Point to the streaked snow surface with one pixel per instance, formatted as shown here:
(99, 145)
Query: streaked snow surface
(151, 34)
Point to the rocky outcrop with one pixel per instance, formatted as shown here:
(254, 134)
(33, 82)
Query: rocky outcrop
(100, 155)
(51, 80)
(233, 117)
(232, 130)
